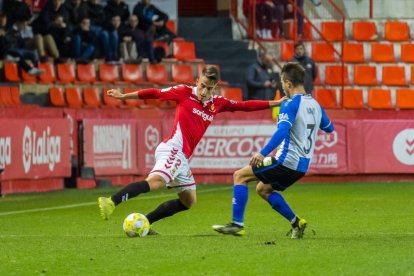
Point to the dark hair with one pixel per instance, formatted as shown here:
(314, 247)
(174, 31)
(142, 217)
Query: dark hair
(211, 72)
(294, 72)
(299, 43)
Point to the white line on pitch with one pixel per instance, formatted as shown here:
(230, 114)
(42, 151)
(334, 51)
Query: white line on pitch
(95, 202)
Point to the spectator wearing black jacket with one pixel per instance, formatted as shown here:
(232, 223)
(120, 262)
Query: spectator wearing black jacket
(62, 37)
(117, 7)
(77, 10)
(83, 42)
(16, 11)
(112, 47)
(52, 9)
(307, 63)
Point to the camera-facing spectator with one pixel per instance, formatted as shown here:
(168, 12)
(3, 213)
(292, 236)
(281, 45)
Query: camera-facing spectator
(52, 9)
(307, 63)
(117, 7)
(112, 46)
(77, 10)
(62, 37)
(83, 42)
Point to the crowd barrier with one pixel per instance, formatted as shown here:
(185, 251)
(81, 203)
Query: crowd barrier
(121, 143)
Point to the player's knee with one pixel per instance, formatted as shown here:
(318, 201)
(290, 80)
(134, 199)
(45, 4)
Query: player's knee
(155, 182)
(189, 202)
(261, 191)
(238, 177)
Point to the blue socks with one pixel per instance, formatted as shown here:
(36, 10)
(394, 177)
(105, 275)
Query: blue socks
(240, 196)
(279, 204)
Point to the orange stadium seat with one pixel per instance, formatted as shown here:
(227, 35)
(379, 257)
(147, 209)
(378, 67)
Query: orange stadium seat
(379, 99)
(185, 51)
(307, 30)
(49, 76)
(164, 45)
(15, 95)
(323, 52)
(326, 98)
(354, 52)
(407, 53)
(412, 76)
(108, 100)
(91, 97)
(232, 93)
(394, 75)
(108, 73)
(405, 98)
(11, 72)
(5, 96)
(57, 97)
(365, 75)
(396, 31)
(182, 74)
(381, 52)
(133, 102)
(86, 73)
(73, 97)
(66, 72)
(27, 78)
(172, 26)
(287, 50)
(354, 99)
(332, 31)
(153, 103)
(333, 75)
(157, 73)
(364, 31)
(132, 73)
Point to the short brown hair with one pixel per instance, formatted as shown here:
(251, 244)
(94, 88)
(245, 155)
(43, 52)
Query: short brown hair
(211, 72)
(294, 72)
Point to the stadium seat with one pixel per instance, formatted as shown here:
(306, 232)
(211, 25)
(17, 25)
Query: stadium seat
(108, 100)
(412, 76)
(232, 93)
(353, 52)
(333, 75)
(133, 102)
(287, 50)
(28, 78)
(86, 73)
(182, 74)
(11, 72)
(57, 97)
(396, 31)
(172, 26)
(364, 31)
(307, 30)
(326, 97)
(405, 98)
(91, 97)
(332, 31)
(184, 51)
(379, 99)
(323, 52)
(154, 103)
(157, 73)
(353, 99)
(164, 45)
(407, 53)
(49, 76)
(5, 96)
(73, 97)
(15, 95)
(317, 81)
(394, 75)
(108, 73)
(365, 75)
(132, 73)
(66, 73)
(381, 52)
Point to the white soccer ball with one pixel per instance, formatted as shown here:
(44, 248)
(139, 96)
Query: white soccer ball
(136, 225)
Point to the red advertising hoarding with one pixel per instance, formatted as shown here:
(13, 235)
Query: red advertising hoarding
(150, 135)
(110, 146)
(34, 149)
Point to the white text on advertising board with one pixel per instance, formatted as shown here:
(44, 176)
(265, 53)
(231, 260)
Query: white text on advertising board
(5, 151)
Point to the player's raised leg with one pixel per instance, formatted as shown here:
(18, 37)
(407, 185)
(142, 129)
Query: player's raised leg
(279, 204)
(240, 196)
(107, 204)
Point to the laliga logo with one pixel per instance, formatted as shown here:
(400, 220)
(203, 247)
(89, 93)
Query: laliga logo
(5, 151)
(152, 137)
(37, 150)
(326, 140)
(403, 146)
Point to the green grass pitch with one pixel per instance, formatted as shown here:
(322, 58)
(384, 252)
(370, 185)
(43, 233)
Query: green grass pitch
(358, 229)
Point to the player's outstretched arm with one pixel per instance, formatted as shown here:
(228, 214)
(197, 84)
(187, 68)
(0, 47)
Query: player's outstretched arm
(278, 102)
(117, 94)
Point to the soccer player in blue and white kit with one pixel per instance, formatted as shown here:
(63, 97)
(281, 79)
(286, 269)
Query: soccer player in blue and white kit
(299, 120)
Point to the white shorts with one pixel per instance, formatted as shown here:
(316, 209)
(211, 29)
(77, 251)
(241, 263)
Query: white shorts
(172, 165)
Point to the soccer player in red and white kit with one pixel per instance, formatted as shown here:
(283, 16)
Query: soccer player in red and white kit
(196, 109)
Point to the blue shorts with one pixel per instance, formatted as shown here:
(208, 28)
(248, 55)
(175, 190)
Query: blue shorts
(277, 175)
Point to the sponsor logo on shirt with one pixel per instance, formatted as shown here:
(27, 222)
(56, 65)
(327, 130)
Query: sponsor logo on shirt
(203, 115)
(283, 117)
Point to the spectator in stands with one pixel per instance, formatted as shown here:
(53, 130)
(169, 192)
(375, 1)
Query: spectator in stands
(112, 46)
(264, 16)
(307, 63)
(52, 9)
(83, 42)
(117, 7)
(62, 36)
(135, 44)
(16, 11)
(279, 14)
(77, 10)
(153, 21)
(15, 46)
(261, 80)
